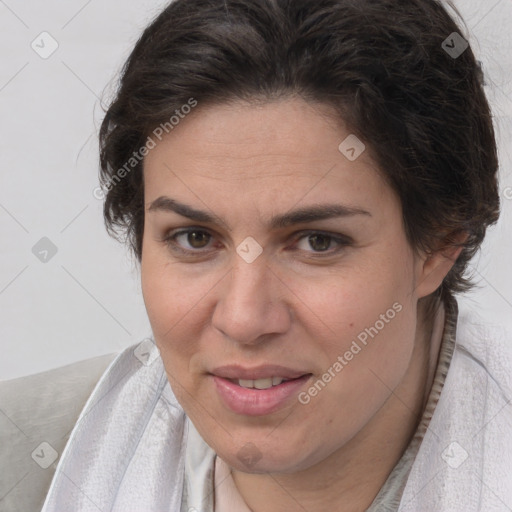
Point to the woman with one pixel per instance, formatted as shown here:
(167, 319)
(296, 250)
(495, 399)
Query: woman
(304, 183)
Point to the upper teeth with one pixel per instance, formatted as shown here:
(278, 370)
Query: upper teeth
(260, 383)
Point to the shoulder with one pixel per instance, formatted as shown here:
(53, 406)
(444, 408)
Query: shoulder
(132, 429)
(487, 349)
(37, 414)
(465, 459)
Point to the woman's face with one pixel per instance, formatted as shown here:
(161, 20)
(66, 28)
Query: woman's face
(257, 282)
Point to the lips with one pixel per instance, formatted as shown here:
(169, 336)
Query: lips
(235, 372)
(259, 390)
(257, 402)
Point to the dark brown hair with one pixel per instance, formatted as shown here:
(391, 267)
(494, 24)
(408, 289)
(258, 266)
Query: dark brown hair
(381, 65)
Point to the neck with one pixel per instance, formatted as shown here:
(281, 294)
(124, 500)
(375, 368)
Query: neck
(350, 478)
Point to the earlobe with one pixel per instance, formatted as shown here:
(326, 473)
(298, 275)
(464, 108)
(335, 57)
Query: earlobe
(436, 266)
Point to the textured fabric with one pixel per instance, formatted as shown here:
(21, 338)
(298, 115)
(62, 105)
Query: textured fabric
(37, 414)
(227, 497)
(465, 460)
(134, 449)
(445, 324)
(126, 452)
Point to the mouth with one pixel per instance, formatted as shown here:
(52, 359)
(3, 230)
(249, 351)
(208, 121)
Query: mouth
(264, 383)
(257, 397)
(261, 372)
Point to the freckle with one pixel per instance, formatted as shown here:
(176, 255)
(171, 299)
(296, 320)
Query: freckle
(351, 325)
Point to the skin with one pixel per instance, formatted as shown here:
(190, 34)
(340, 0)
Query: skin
(302, 308)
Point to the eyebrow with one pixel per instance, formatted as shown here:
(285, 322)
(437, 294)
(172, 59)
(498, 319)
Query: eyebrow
(302, 215)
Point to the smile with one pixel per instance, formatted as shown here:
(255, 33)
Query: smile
(260, 396)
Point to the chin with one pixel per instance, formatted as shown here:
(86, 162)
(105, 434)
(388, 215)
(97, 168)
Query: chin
(252, 458)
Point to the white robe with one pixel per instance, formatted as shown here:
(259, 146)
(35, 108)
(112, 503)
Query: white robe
(133, 442)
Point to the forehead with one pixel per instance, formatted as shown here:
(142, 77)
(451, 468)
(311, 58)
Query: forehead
(268, 154)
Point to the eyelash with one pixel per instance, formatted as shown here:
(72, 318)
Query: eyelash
(170, 242)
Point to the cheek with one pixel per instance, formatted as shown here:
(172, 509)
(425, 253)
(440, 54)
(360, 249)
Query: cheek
(367, 331)
(364, 297)
(171, 308)
(169, 301)
(370, 336)
(179, 305)
(364, 360)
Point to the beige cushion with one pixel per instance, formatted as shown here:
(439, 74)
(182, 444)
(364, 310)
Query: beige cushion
(37, 414)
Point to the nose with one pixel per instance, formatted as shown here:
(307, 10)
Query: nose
(252, 303)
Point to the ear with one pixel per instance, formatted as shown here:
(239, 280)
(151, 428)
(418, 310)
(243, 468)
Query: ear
(434, 266)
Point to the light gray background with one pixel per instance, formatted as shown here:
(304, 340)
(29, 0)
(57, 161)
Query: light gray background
(86, 299)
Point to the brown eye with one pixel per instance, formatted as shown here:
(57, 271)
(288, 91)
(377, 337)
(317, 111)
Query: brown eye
(317, 242)
(198, 239)
(192, 241)
(320, 242)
